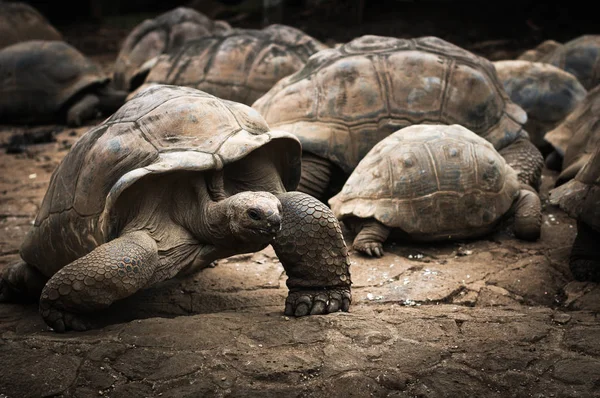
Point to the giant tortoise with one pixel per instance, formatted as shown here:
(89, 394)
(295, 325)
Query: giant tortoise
(49, 81)
(240, 65)
(580, 57)
(431, 183)
(172, 181)
(347, 99)
(157, 36)
(547, 93)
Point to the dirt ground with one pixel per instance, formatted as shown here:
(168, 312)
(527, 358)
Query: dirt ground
(495, 317)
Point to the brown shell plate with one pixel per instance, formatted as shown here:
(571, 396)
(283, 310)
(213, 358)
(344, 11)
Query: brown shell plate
(240, 65)
(430, 181)
(153, 37)
(20, 22)
(37, 78)
(347, 99)
(162, 129)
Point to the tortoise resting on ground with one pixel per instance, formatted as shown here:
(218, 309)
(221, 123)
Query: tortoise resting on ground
(347, 99)
(580, 198)
(174, 180)
(50, 81)
(547, 93)
(580, 57)
(21, 22)
(576, 138)
(153, 37)
(239, 65)
(433, 182)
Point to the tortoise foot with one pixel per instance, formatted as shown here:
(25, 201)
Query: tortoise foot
(60, 320)
(371, 249)
(315, 302)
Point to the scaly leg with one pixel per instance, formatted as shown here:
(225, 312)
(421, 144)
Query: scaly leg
(111, 272)
(311, 247)
(370, 238)
(84, 109)
(315, 177)
(528, 215)
(527, 161)
(585, 254)
(21, 282)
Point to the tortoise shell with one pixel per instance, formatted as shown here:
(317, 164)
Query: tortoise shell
(162, 129)
(430, 181)
(580, 197)
(21, 22)
(240, 65)
(347, 99)
(579, 134)
(537, 53)
(547, 93)
(38, 79)
(580, 57)
(156, 36)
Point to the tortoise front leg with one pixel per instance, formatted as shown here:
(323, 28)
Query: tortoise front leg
(111, 272)
(311, 247)
(370, 238)
(527, 161)
(84, 109)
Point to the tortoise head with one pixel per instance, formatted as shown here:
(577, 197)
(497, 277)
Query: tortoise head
(254, 217)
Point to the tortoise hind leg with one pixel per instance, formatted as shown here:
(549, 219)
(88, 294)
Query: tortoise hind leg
(584, 260)
(20, 282)
(311, 248)
(527, 161)
(111, 272)
(370, 238)
(528, 216)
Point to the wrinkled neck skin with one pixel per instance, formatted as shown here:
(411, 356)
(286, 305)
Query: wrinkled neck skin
(205, 219)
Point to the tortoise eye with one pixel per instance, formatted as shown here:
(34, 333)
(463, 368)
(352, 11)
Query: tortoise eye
(253, 214)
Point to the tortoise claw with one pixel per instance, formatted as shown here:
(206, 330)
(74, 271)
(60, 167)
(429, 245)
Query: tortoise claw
(314, 302)
(61, 321)
(371, 249)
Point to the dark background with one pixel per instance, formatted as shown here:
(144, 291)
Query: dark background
(497, 29)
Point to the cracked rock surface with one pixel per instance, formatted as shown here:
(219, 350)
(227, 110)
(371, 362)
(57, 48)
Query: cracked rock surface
(495, 317)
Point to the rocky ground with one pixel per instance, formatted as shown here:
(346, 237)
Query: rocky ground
(495, 317)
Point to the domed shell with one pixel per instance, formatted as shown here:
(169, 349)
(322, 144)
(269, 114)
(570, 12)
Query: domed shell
(20, 22)
(153, 37)
(547, 93)
(579, 134)
(240, 65)
(580, 57)
(431, 181)
(38, 78)
(163, 129)
(347, 99)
